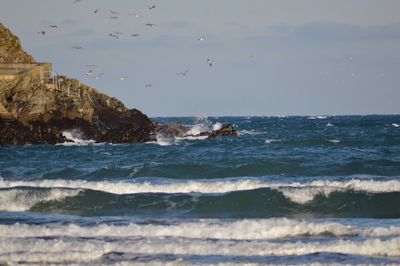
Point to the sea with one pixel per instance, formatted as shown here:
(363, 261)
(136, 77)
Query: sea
(320, 190)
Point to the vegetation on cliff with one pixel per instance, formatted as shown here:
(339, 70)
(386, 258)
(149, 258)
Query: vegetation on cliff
(11, 51)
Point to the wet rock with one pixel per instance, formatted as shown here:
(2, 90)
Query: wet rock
(172, 130)
(224, 131)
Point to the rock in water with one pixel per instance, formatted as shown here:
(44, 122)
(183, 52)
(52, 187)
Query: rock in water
(224, 131)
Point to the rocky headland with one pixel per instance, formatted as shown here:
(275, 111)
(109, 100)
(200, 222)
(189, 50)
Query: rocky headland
(37, 107)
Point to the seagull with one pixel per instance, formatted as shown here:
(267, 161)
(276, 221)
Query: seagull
(183, 74)
(148, 85)
(96, 11)
(42, 32)
(114, 12)
(151, 7)
(150, 24)
(53, 26)
(91, 65)
(89, 73)
(138, 16)
(210, 61)
(200, 39)
(77, 48)
(123, 78)
(118, 33)
(114, 17)
(135, 35)
(113, 35)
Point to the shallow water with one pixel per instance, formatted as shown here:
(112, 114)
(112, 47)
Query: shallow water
(288, 190)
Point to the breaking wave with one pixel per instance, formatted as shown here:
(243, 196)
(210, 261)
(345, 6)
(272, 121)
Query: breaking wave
(205, 198)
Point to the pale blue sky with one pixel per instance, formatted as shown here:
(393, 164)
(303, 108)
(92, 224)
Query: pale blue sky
(278, 57)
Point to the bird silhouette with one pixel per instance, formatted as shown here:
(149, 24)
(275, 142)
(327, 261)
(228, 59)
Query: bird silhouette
(184, 73)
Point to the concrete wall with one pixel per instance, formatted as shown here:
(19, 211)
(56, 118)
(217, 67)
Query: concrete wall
(40, 72)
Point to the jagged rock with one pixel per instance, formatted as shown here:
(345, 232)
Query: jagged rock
(225, 130)
(172, 130)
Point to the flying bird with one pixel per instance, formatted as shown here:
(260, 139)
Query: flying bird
(151, 7)
(200, 39)
(114, 17)
(96, 11)
(210, 62)
(123, 78)
(114, 12)
(150, 24)
(184, 73)
(148, 85)
(91, 65)
(113, 35)
(135, 35)
(77, 48)
(41, 32)
(89, 73)
(53, 26)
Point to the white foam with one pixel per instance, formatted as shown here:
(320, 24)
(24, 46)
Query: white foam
(163, 141)
(269, 141)
(192, 138)
(217, 126)
(317, 117)
(299, 192)
(76, 138)
(304, 195)
(334, 141)
(330, 125)
(73, 243)
(22, 199)
(395, 125)
(246, 229)
(250, 132)
(201, 125)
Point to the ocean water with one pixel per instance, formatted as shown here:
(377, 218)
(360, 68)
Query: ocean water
(286, 191)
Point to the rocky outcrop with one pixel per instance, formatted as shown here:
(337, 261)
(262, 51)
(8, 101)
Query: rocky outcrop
(178, 130)
(172, 130)
(224, 131)
(37, 110)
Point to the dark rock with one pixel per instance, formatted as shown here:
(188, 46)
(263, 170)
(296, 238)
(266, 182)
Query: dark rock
(225, 130)
(172, 130)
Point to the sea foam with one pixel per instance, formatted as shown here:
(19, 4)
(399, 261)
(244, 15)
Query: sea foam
(73, 243)
(299, 192)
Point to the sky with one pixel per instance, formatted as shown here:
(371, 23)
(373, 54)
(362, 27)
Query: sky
(270, 57)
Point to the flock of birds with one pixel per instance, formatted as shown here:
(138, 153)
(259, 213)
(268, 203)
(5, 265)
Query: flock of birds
(117, 35)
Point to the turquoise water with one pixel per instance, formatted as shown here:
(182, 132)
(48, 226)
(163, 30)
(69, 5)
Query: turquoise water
(288, 190)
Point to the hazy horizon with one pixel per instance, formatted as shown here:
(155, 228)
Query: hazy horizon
(270, 58)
